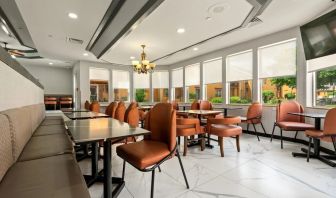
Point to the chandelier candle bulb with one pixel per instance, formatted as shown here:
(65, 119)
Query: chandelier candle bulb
(143, 65)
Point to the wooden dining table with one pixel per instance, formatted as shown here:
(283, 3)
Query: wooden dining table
(92, 131)
(85, 115)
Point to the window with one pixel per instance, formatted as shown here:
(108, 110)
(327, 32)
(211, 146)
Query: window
(212, 77)
(121, 85)
(239, 68)
(277, 70)
(160, 84)
(177, 85)
(192, 81)
(99, 80)
(141, 87)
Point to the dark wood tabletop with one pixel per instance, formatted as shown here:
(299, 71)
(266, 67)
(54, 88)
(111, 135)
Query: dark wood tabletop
(69, 110)
(91, 130)
(85, 115)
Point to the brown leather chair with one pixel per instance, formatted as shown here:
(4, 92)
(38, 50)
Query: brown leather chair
(113, 109)
(50, 101)
(66, 101)
(253, 116)
(120, 112)
(205, 105)
(108, 109)
(95, 107)
(328, 134)
(147, 155)
(287, 122)
(87, 105)
(186, 127)
(225, 127)
(195, 105)
(175, 105)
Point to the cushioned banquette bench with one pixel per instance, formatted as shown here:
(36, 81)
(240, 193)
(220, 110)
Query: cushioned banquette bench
(37, 156)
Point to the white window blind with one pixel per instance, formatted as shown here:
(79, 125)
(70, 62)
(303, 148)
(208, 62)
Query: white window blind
(321, 63)
(121, 79)
(141, 81)
(192, 75)
(239, 66)
(212, 71)
(177, 77)
(99, 74)
(278, 59)
(160, 79)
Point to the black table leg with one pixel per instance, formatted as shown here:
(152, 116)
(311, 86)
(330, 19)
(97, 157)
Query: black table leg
(225, 113)
(107, 170)
(91, 179)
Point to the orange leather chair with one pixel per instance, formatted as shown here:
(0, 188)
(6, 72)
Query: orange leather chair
(225, 127)
(175, 105)
(120, 112)
(287, 122)
(195, 105)
(108, 109)
(95, 107)
(132, 115)
(114, 108)
(147, 155)
(253, 116)
(186, 127)
(87, 105)
(328, 134)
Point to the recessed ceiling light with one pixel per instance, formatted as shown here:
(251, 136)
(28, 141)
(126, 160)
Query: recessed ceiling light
(180, 30)
(4, 28)
(85, 54)
(13, 56)
(51, 63)
(195, 48)
(73, 15)
(132, 57)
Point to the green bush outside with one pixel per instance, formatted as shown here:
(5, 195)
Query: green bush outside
(216, 100)
(238, 100)
(140, 95)
(290, 96)
(267, 96)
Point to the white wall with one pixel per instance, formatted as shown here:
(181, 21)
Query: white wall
(16, 90)
(56, 80)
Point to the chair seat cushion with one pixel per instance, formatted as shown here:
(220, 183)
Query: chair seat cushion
(57, 177)
(295, 126)
(46, 146)
(49, 130)
(52, 122)
(144, 153)
(319, 135)
(180, 131)
(225, 130)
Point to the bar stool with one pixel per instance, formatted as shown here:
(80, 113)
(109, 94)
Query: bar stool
(66, 101)
(50, 101)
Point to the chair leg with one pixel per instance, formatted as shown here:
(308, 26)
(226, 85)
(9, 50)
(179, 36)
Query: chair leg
(202, 142)
(263, 128)
(309, 145)
(296, 134)
(159, 169)
(273, 131)
(123, 171)
(255, 131)
(178, 140)
(152, 184)
(221, 145)
(185, 146)
(237, 143)
(184, 175)
(208, 137)
(247, 127)
(334, 142)
(281, 138)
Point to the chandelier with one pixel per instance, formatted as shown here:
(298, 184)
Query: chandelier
(143, 66)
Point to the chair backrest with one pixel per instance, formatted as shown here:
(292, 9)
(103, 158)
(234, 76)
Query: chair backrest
(161, 121)
(50, 99)
(205, 105)
(95, 107)
(187, 126)
(120, 112)
(108, 109)
(113, 109)
(289, 107)
(195, 105)
(87, 105)
(329, 122)
(254, 111)
(132, 114)
(175, 105)
(66, 99)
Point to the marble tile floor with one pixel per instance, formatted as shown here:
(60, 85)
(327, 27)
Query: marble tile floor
(261, 169)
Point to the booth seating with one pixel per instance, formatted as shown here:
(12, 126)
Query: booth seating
(36, 156)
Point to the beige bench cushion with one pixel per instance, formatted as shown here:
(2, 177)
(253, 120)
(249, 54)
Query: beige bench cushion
(21, 128)
(46, 146)
(49, 130)
(52, 177)
(6, 151)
